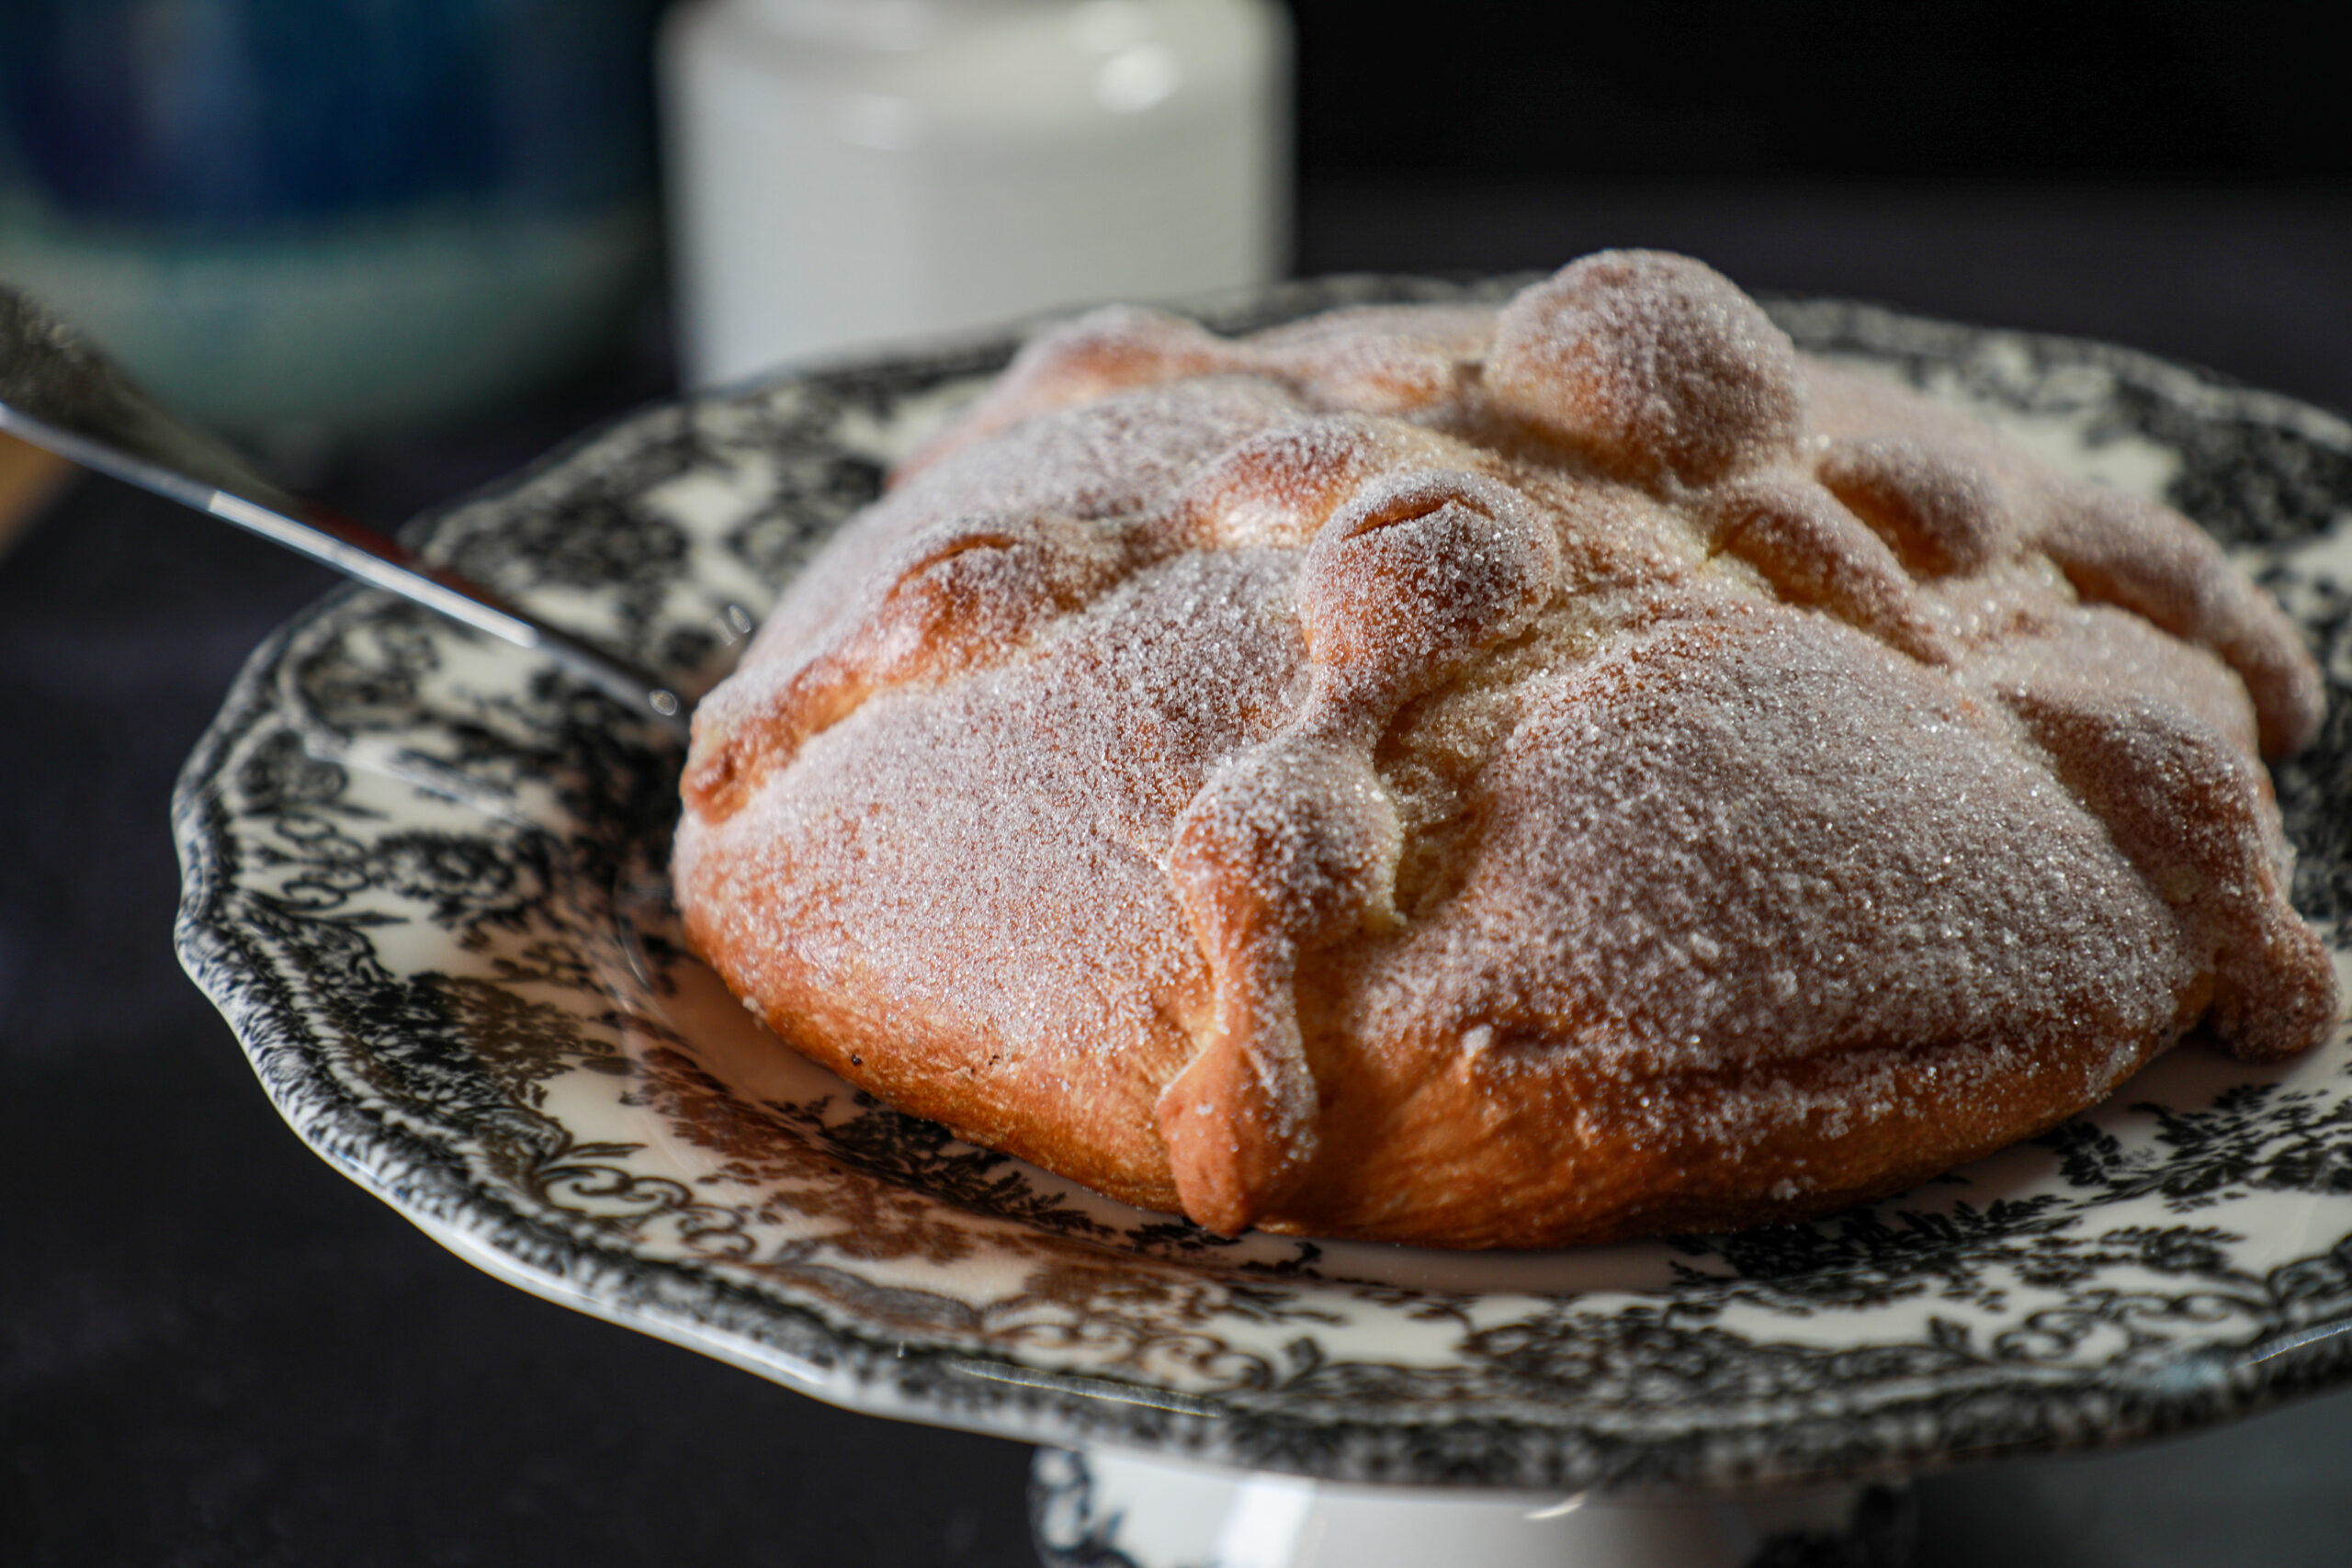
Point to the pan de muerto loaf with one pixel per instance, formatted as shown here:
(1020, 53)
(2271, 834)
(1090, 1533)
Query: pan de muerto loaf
(1500, 778)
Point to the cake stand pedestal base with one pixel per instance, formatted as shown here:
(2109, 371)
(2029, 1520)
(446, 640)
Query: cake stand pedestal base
(1111, 1508)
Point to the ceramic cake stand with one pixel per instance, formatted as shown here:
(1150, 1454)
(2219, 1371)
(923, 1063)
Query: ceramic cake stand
(424, 881)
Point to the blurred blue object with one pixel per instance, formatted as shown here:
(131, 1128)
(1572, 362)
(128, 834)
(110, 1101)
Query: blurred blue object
(307, 219)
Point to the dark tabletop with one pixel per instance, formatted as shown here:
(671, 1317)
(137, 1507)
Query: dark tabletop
(214, 1350)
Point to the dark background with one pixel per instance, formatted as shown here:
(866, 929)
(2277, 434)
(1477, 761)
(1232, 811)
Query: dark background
(1839, 89)
(215, 1351)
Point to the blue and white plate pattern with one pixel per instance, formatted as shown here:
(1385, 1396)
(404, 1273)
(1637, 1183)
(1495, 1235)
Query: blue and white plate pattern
(423, 879)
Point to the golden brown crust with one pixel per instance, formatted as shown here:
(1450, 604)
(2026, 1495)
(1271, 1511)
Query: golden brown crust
(1499, 779)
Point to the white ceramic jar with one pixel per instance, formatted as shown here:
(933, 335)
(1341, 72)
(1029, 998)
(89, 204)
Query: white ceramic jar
(851, 172)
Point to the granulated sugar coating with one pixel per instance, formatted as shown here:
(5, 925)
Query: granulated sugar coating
(1500, 779)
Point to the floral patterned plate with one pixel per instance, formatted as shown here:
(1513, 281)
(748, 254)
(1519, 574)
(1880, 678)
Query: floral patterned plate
(424, 881)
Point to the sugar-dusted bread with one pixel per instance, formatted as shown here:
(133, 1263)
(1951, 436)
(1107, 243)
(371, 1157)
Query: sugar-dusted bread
(1500, 778)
